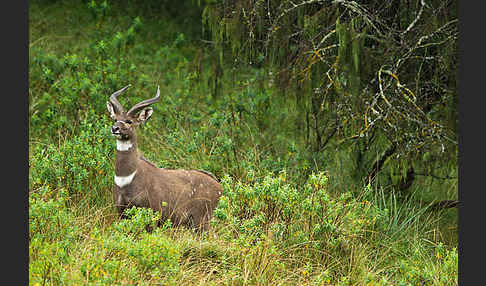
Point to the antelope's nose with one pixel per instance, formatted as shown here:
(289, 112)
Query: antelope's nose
(115, 129)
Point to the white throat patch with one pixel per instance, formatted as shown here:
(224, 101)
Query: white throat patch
(122, 181)
(123, 145)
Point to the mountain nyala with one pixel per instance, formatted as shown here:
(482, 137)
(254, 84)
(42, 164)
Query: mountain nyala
(186, 197)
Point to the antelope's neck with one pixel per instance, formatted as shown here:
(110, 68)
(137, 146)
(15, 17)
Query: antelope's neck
(126, 157)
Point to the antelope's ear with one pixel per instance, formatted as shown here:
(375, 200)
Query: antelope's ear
(111, 110)
(145, 114)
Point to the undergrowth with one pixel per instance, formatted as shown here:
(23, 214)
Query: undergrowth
(281, 220)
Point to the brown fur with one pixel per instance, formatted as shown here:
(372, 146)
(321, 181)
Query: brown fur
(186, 197)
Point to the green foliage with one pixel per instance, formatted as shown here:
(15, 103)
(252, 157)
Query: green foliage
(57, 242)
(52, 233)
(291, 213)
(139, 220)
(49, 219)
(80, 164)
(152, 252)
(439, 270)
(350, 50)
(70, 85)
(305, 215)
(370, 82)
(271, 219)
(98, 10)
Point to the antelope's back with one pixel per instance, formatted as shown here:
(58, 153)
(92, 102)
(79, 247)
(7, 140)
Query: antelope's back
(200, 184)
(199, 192)
(206, 185)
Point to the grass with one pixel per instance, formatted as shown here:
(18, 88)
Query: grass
(282, 221)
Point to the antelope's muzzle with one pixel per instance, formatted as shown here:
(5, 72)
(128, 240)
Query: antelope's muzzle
(115, 130)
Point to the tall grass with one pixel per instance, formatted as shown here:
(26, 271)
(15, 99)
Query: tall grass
(282, 219)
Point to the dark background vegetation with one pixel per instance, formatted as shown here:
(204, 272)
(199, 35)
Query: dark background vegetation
(333, 125)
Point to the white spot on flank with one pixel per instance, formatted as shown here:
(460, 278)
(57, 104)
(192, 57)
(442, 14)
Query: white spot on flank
(122, 181)
(219, 193)
(123, 145)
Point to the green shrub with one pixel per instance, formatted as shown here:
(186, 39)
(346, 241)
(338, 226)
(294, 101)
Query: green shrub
(52, 233)
(82, 164)
(70, 85)
(152, 251)
(308, 215)
(139, 220)
(418, 268)
(49, 217)
(61, 251)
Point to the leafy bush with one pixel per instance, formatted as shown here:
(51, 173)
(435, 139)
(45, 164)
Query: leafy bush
(419, 269)
(82, 164)
(70, 85)
(139, 220)
(63, 252)
(52, 232)
(152, 252)
(296, 216)
(49, 219)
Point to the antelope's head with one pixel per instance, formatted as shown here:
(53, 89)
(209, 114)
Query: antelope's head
(125, 125)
